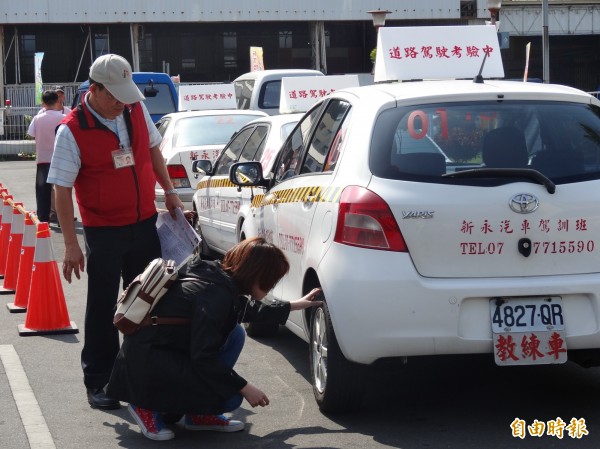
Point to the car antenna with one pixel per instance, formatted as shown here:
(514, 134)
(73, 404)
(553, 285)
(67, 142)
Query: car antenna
(478, 78)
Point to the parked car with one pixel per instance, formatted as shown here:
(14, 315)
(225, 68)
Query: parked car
(191, 135)
(439, 218)
(261, 90)
(222, 206)
(158, 88)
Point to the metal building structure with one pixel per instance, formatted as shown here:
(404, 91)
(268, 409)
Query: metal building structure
(205, 40)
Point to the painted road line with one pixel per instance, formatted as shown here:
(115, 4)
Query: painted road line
(33, 421)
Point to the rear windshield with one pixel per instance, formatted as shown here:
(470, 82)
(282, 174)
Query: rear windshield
(162, 103)
(208, 130)
(561, 140)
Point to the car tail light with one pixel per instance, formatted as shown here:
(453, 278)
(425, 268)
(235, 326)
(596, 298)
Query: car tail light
(178, 176)
(365, 220)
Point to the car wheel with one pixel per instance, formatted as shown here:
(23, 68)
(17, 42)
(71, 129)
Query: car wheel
(338, 384)
(261, 329)
(205, 251)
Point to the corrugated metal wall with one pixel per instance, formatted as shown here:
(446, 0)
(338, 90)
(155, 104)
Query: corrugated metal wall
(143, 11)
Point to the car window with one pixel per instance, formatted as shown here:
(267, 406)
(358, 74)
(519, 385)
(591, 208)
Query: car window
(162, 103)
(232, 152)
(243, 93)
(270, 95)
(208, 129)
(338, 143)
(253, 144)
(293, 148)
(162, 125)
(561, 140)
(325, 133)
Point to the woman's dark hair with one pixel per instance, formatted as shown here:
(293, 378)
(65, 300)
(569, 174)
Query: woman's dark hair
(255, 260)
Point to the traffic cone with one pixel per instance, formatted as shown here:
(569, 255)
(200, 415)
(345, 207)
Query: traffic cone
(46, 309)
(14, 250)
(5, 232)
(25, 265)
(3, 193)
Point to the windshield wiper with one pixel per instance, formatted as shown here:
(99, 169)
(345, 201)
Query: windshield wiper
(505, 173)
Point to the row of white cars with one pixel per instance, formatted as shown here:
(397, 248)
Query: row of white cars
(438, 217)
(201, 134)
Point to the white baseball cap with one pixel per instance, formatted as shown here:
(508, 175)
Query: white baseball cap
(114, 72)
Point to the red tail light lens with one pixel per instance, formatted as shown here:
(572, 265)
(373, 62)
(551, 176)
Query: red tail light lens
(178, 176)
(365, 220)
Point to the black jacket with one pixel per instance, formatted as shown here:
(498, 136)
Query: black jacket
(174, 368)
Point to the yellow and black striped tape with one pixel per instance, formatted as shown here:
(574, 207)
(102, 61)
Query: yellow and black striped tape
(313, 194)
(222, 182)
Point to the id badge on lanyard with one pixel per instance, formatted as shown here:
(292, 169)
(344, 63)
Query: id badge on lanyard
(123, 157)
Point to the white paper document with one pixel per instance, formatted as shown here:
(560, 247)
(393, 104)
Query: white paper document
(178, 240)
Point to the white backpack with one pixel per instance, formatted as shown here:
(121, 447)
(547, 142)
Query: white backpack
(142, 295)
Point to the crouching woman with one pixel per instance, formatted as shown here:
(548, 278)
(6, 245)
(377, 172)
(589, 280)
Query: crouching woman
(182, 365)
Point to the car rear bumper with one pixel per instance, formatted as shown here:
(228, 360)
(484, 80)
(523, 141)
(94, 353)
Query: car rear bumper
(185, 195)
(381, 307)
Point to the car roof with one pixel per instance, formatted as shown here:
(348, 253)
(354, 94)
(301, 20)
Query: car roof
(138, 78)
(280, 119)
(208, 112)
(459, 90)
(277, 74)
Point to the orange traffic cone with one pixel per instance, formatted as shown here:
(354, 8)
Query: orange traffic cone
(3, 193)
(25, 265)
(5, 232)
(46, 309)
(14, 250)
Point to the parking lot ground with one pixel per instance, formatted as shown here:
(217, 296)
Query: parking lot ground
(433, 402)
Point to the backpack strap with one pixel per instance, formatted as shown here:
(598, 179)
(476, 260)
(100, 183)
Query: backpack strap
(170, 320)
(158, 320)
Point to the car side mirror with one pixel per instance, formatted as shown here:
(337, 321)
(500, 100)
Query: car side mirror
(246, 174)
(202, 166)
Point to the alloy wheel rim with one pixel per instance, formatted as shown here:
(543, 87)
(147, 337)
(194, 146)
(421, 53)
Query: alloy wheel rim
(319, 351)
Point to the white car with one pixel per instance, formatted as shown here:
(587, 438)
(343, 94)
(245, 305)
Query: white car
(261, 90)
(438, 217)
(188, 136)
(221, 205)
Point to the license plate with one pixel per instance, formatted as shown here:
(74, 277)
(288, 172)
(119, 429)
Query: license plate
(527, 314)
(528, 331)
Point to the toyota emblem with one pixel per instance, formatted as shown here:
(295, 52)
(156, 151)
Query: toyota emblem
(524, 203)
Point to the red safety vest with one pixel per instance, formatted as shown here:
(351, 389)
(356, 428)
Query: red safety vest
(107, 196)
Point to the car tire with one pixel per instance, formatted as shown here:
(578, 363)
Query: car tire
(261, 329)
(205, 252)
(338, 384)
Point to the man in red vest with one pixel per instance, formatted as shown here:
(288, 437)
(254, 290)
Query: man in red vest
(108, 150)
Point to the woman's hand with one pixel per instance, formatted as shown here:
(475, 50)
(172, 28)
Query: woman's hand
(254, 396)
(190, 216)
(307, 301)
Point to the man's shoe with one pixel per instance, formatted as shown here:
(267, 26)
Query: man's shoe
(151, 423)
(98, 399)
(217, 423)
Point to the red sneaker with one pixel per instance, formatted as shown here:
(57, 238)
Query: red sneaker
(217, 423)
(151, 423)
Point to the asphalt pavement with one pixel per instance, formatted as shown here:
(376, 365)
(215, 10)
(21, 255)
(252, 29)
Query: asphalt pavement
(43, 402)
(434, 402)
